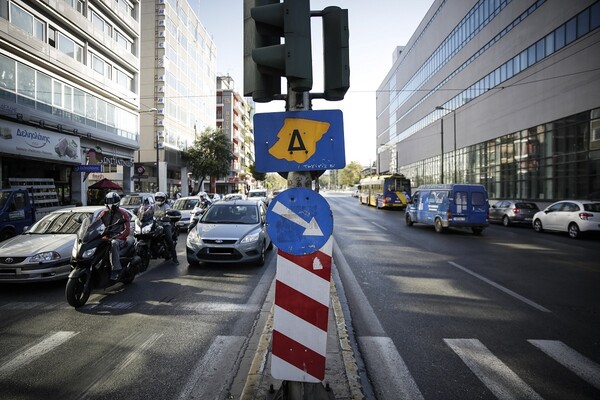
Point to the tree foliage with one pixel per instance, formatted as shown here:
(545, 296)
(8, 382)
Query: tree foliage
(350, 175)
(259, 176)
(210, 155)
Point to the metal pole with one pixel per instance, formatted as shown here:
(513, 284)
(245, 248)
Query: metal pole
(442, 147)
(455, 154)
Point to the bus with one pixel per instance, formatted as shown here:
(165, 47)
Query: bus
(385, 191)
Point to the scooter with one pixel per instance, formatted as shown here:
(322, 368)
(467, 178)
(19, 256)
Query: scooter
(150, 239)
(90, 262)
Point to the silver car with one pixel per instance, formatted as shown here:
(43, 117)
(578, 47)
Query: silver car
(43, 252)
(510, 212)
(230, 232)
(186, 205)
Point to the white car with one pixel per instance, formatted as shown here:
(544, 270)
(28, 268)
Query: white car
(572, 216)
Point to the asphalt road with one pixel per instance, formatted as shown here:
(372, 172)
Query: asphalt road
(510, 314)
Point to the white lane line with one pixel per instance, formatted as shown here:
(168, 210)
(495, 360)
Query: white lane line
(498, 378)
(399, 383)
(500, 287)
(379, 226)
(583, 367)
(24, 357)
(211, 370)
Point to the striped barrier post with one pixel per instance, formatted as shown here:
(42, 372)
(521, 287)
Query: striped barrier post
(301, 313)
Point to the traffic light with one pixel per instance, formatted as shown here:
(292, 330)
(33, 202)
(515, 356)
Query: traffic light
(266, 59)
(336, 53)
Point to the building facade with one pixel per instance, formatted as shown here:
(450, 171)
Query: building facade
(69, 93)
(178, 75)
(498, 92)
(234, 117)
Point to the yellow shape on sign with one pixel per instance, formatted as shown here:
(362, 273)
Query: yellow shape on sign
(297, 139)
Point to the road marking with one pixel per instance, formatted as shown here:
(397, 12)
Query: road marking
(583, 367)
(24, 357)
(209, 370)
(500, 287)
(494, 374)
(379, 226)
(399, 383)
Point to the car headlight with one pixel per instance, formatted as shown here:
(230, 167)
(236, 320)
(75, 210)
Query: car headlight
(45, 256)
(193, 238)
(251, 238)
(89, 253)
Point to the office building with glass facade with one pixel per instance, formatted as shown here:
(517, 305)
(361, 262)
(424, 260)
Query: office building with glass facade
(498, 92)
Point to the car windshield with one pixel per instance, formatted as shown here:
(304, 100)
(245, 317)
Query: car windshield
(131, 201)
(4, 198)
(231, 214)
(592, 207)
(59, 223)
(257, 194)
(185, 204)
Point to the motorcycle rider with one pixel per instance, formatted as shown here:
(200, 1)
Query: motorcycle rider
(204, 201)
(160, 214)
(117, 223)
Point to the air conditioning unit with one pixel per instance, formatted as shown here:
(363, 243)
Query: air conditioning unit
(160, 78)
(160, 100)
(160, 89)
(160, 134)
(160, 45)
(161, 11)
(161, 22)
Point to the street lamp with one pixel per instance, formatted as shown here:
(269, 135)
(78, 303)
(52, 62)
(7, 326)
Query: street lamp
(455, 155)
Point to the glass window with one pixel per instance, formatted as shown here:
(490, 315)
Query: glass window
(98, 64)
(68, 97)
(583, 23)
(90, 107)
(540, 50)
(26, 81)
(531, 55)
(571, 30)
(78, 102)
(595, 16)
(559, 37)
(44, 88)
(523, 57)
(7, 73)
(69, 47)
(57, 93)
(549, 40)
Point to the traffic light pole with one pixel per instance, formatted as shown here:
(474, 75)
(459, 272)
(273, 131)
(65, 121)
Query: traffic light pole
(294, 390)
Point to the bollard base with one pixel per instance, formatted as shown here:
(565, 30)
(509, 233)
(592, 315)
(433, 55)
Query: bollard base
(301, 391)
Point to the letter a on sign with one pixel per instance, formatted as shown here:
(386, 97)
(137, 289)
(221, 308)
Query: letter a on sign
(296, 143)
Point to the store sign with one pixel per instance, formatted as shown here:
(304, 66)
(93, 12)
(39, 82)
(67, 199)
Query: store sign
(30, 141)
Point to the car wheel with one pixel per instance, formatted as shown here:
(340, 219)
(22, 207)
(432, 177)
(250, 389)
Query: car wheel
(573, 230)
(439, 228)
(263, 250)
(537, 226)
(505, 220)
(408, 220)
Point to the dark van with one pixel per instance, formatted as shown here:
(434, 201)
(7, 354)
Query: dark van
(454, 205)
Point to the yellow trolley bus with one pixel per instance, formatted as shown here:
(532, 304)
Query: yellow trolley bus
(385, 191)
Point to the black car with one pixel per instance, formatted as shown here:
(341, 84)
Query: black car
(510, 212)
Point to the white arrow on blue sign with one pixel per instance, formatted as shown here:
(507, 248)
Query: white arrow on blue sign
(299, 221)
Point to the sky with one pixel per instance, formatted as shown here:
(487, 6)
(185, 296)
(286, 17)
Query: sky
(376, 29)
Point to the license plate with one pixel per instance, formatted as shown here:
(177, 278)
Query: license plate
(459, 218)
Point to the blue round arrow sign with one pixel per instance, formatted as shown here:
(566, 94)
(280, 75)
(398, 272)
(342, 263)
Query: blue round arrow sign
(299, 221)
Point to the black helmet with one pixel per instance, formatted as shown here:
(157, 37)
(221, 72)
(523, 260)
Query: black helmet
(112, 200)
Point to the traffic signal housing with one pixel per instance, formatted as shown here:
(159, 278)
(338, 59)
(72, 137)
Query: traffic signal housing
(336, 53)
(266, 59)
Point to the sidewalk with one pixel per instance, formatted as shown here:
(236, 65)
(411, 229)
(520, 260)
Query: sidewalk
(341, 371)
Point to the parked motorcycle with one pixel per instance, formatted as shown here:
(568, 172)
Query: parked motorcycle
(90, 262)
(150, 239)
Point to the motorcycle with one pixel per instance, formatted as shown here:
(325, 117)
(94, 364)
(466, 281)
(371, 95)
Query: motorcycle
(90, 262)
(197, 214)
(150, 239)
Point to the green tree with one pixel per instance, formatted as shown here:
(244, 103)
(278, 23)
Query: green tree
(259, 176)
(210, 155)
(350, 175)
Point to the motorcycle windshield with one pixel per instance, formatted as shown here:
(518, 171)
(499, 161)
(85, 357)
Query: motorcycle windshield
(90, 229)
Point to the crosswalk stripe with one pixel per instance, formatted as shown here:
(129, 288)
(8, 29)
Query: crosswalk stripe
(397, 381)
(582, 366)
(24, 357)
(498, 378)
